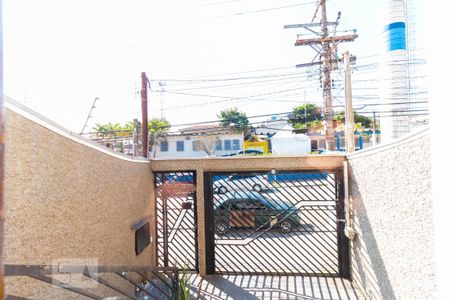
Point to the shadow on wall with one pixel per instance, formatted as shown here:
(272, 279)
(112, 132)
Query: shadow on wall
(368, 270)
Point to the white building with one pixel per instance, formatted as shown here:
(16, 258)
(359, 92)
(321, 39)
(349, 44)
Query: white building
(199, 141)
(285, 142)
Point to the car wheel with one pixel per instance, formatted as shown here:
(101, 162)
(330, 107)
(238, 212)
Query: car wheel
(285, 226)
(221, 228)
(257, 187)
(223, 189)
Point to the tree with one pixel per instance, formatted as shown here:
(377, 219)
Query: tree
(100, 130)
(157, 130)
(363, 121)
(306, 116)
(234, 119)
(108, 130)
(207, 143)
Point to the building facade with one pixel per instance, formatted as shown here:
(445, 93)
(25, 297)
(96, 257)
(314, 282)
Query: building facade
(199, 145)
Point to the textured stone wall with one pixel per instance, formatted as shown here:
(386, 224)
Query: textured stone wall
(66, 198)
(390, 189)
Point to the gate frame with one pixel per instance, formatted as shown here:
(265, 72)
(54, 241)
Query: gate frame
(165, 235)
(343, 248)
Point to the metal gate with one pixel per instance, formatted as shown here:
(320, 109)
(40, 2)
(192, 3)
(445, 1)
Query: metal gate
(176, 220)
(282, 223)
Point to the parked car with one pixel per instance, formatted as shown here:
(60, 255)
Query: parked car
(244, 182)
(255, 211)
(250, 152)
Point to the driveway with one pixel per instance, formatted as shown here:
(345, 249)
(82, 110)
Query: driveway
(252, 287)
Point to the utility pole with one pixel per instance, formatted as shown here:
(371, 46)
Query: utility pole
(162, 84)
(328, 59)
(135, 137)
(304, 92)
(374, 124)
(326, 92)
(349, 122)
(89, 115)
(144, 108)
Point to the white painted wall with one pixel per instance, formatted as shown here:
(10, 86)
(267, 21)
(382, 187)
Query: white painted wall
(189, 150)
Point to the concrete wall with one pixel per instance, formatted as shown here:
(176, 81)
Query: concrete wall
(66, 198)
(390, 189)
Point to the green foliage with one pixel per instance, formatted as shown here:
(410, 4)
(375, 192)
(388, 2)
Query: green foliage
(185, 287)
(360, 120)
(184, 291)
(107, 130)
(158, 126)
(157, 129)
(155, 125)
(234, 119)
(306, 116)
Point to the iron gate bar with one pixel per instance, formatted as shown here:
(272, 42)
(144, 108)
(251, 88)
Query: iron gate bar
(334, 245)
(41, 272)
(271, 253)
(309, 191)
(164, 228)
(324, 217)
(285, 266)
(177, 226)
(334, 256)
(209, 223)
(156, 286)
(64, 286)
(343, 241)
(174, 243)
(281, 213)
(130, 280)
(108, 284)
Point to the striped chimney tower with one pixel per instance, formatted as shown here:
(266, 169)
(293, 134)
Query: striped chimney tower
(395, 121)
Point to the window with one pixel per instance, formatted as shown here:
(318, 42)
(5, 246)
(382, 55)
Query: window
(180, 146)
(164, 146)
(236, 145)
(218, 145)
(196, 145)
(322, 144)
(227, 145)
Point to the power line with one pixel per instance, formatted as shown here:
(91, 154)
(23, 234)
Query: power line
(259, 11)
(199, 80)
(283, 113)
(237, 84)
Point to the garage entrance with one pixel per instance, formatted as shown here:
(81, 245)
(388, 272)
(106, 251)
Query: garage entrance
(280, 223)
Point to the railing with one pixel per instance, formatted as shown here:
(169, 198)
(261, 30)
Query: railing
(125, 282)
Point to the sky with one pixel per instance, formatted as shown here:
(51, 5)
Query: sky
(60, 55)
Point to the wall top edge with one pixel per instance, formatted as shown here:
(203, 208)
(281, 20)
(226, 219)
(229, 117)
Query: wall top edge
(419, 133)
(43, 121)
(195, 159)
